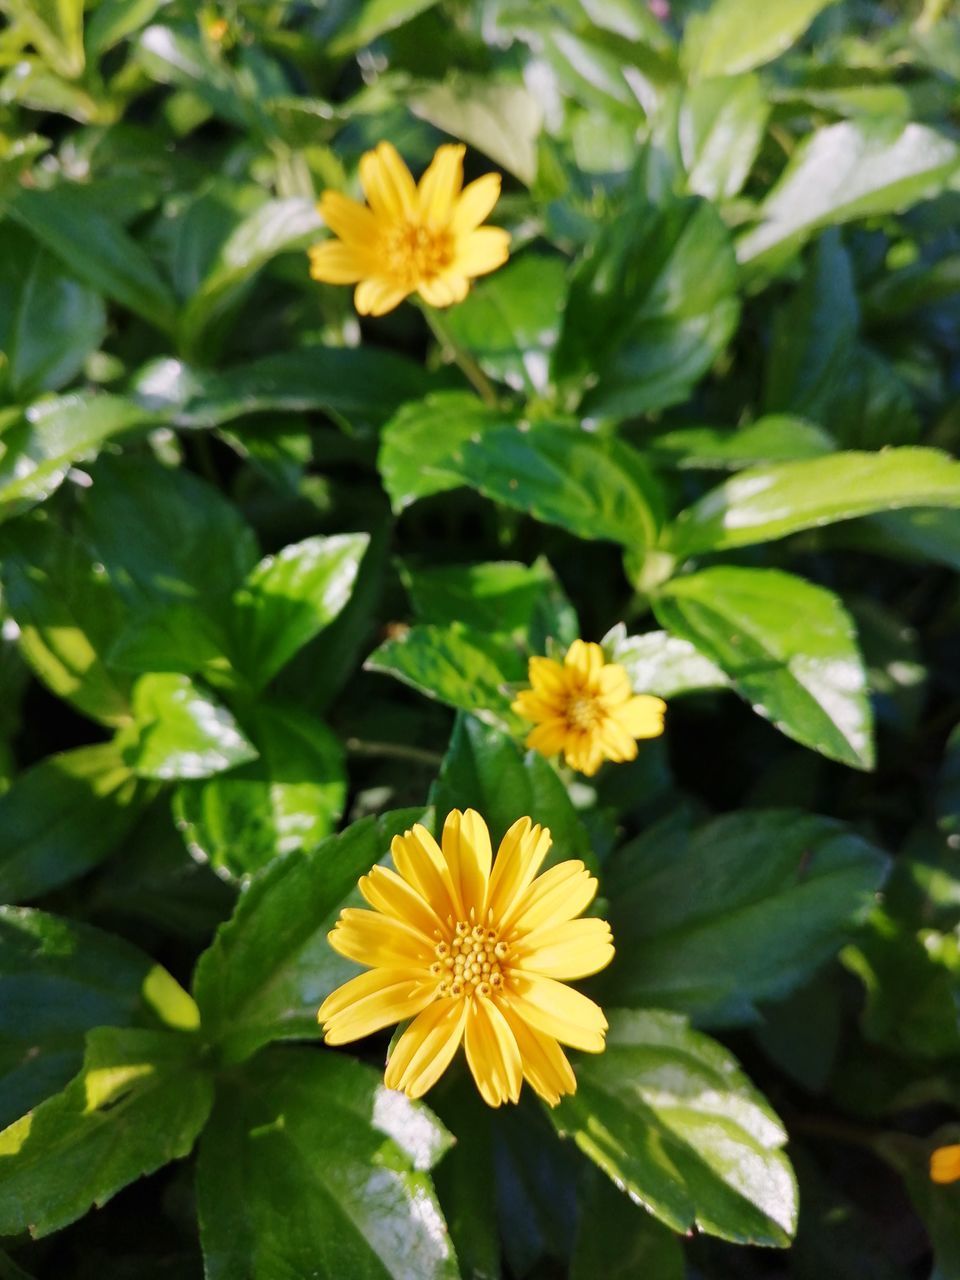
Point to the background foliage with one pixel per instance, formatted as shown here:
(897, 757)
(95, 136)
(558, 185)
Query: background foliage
(270, 576)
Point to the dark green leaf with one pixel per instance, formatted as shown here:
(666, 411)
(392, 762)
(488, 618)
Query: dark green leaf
(62, 817)
(669, 1116)
(311, 1167)
(619, 1240)
(371, 18)
(270, 967)
(174, 636)
(745, 909)
(181, 731)
(139, 1102)
(773, 438)
(789, 647)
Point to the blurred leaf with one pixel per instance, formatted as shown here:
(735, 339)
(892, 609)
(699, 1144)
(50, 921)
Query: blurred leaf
(734, 35)
(104, 256)
(290, 597)
(139, 1102)
(62, 817)
(174, 636)
(67, 613)
(59, 980)
(789, 647)
(269, 968)
(669, 1116)
(485, 770)
(38, 450)
(371, 18)
(466, 1177)
(55, 27)
(49, 323)
(501, 120)
(466, 669)
(114, 20)
(720, 127)
(773, 438)
(744, 909)
(510, 321)
(650, 307)
(765, 503)
(620, 1240)
(289, 798)
(661, 664)
(316, 1139)
(845, 172)
(180, 731)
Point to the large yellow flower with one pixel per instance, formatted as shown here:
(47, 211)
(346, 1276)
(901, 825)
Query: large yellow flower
(585, 708)
(407, 238)
(945, 1164)
(474, 954)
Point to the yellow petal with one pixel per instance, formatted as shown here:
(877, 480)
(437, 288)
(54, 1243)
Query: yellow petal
(466, 847)
(492, 1053)
(945, 1164)
(554, 898)
(387, 183)
(417, 857)
(475, 202)
(548, 678)
(376, 940)
(560, 1011)
(425, 1049)
(350, 220)
(549, 738)
(545, 1065)
(445, 290)
(534, 706)
(586, 659)
(642, 716)
(567, 951)
(482, 251)
(618, 745)
(390, 893)
(519, 858)
(584, 753)
(336, 263)
(613, 685)
(440, 185)
(371, 1001)
(377, 297)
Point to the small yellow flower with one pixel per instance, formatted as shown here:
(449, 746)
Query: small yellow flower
(945, 1164)
(585, 707)
(474, 954)
(408, 238)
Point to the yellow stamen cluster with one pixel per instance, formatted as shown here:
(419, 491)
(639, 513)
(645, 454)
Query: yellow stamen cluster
(471, 962)
(417, 253)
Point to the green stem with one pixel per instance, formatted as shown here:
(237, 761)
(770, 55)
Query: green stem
(469, 367)
(394, 751)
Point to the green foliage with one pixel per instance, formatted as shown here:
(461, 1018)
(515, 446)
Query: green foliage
(272, 575)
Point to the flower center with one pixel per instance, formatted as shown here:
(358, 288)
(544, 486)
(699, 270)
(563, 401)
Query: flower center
(417, 253)
(583, 712)
(472, 962)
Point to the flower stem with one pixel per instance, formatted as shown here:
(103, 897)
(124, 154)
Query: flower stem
(394, 751)
(468, 366)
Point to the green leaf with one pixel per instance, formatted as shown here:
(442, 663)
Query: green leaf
(289, 598)
(720, 127)
(139, 1102)
(104, 257)
(619, 1240)
(49, 323)
(289, 798)
(736, 35)
(773, 438)
(62, 817)
(115, 20)
(661, 664)
(650, 307)
(510, 322)
(371, 18)
(501, 120)
(174, 636)
(271, 966)
(844, 172)
(55, 27)
(277, 226)
(38, 450)
(669, 1116)
(709, 922)
(357, 384)
(311, 1167)
(181, 731)
(58, 980)
(466, 669)
(67, 614)
(487, 771)
(789, 647)
(765, 503)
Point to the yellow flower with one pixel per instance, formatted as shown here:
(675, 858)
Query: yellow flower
(409, 238)
(945, 1164)
(474, 954)
(586, 708)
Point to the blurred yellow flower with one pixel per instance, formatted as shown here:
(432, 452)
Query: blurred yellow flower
(474, 952)
(945, 1164)
(408, 238)
(586, 708)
